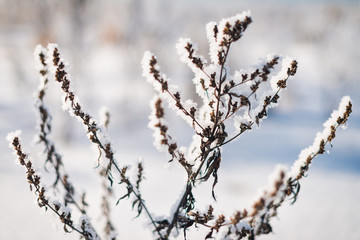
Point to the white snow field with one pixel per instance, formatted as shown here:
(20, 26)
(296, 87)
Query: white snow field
(104, 42)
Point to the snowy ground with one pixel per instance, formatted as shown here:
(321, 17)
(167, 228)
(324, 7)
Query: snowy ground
(328, 206)
(104, 44)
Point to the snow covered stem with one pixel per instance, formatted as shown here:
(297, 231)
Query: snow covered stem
(52, 156)
(287, 183)
(94, 132)
(244, 97)
(84, 229)
(337, 119)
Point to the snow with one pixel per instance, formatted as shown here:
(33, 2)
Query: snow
(104, 118)
(10, 137)
(106, 71)
(152, 125)
(85, 219)
(231, 20)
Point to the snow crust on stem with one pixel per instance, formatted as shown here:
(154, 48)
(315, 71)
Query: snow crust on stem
(264, 207)
(216, 38)
(310, 151)
(185, 48)
(85, 225)
(154, 121)
(39, 65)
(10, 138)
(273, 191)
(168, 92)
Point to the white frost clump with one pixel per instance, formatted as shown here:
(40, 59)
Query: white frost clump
(181, 49)
(112, 236)
(66, 210)
(49, 58)
(84, 221)
(270, 193)
(40, 50)
(145, 63)
(152, 125)
(104, 116)
(241, 225)
(172, 89)
(194, 151)
(344, 102)
(10, 137)
(67, 105)
(213, 43)
(56, 203)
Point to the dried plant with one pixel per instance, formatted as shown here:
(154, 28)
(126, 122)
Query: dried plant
(241, 98)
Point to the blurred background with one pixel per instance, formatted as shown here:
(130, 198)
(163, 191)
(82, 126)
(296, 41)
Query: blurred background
(104, 42)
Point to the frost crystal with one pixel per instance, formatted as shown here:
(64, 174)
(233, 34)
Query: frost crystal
(10, 137)
(85, 225)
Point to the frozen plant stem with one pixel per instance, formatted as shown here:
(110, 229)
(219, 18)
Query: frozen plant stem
(73, 106)
(218, 89)
(106, 206)
(42, 200)
(52, 156)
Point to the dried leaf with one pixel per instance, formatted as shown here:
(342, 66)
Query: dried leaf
(129, 189)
